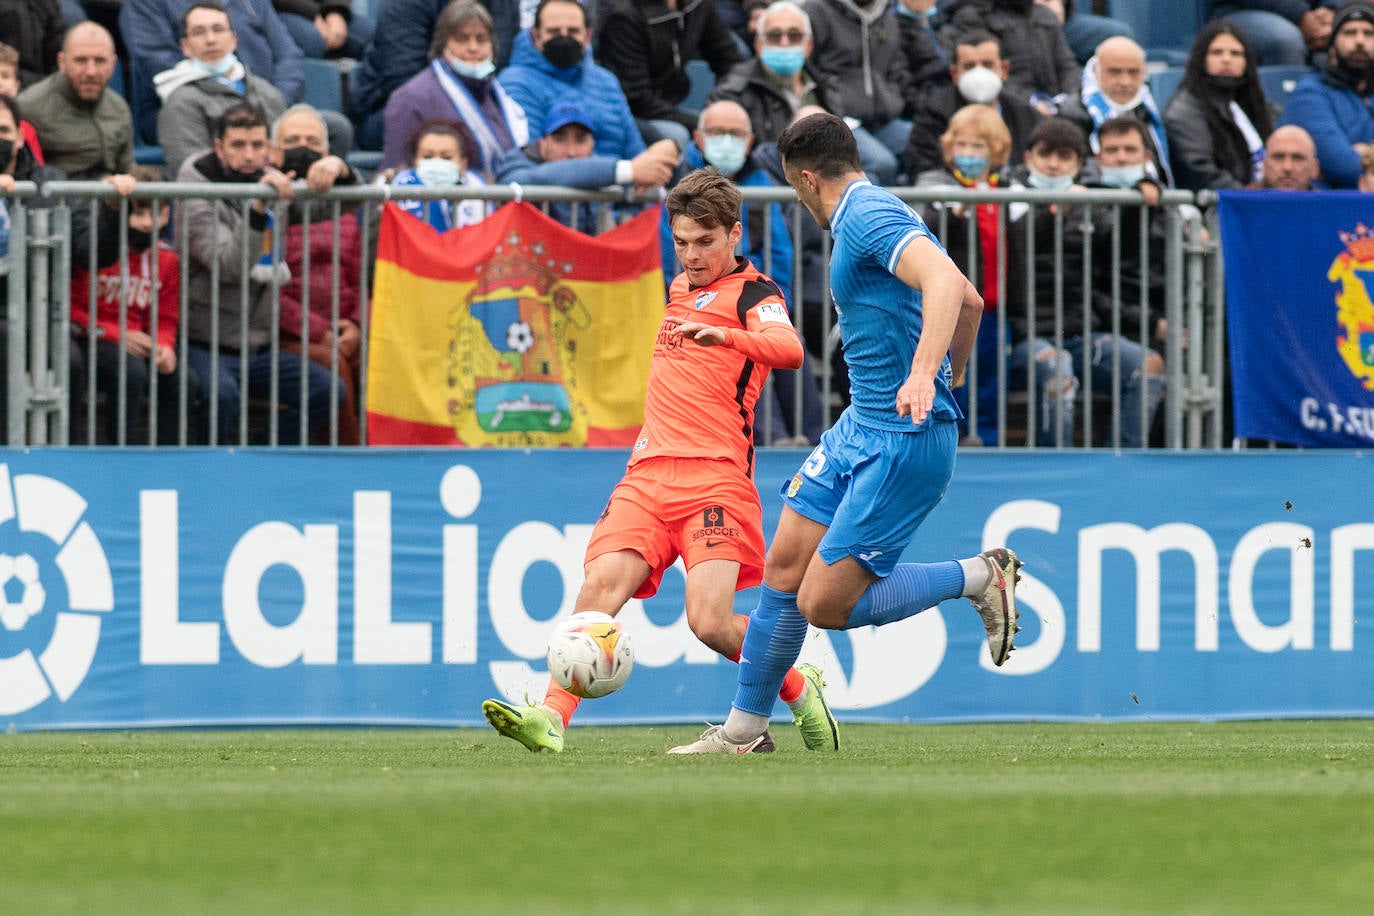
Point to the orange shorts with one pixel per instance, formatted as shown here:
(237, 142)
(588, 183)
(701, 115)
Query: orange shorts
(665, 508)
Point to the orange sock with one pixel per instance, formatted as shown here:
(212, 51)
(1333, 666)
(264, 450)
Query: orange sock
(793, 685)
(562, 702)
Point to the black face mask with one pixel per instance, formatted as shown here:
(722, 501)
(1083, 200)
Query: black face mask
(6, 153)
(563, 51)
(299, 159)
(1228, 85)
(140, 240)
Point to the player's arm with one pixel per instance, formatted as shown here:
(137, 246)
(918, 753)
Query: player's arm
(768, 339)
(951, 310)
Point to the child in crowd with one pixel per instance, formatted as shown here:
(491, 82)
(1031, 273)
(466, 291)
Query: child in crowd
(9, 86)
(976, 147)
(127, 318)
(439, 152)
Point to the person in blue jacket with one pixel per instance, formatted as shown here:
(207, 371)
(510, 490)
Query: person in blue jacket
(551, 62)
(1334, 105)
(564, 156)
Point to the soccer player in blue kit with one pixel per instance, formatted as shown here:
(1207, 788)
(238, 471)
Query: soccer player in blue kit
(908, 319)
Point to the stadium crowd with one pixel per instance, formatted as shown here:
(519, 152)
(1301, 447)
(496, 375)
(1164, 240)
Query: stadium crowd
(985, 94)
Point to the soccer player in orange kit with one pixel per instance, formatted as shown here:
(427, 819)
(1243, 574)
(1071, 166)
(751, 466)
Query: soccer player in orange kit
(688, 489)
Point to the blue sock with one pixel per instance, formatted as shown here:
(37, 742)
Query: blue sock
(771, 645)
(910, 589)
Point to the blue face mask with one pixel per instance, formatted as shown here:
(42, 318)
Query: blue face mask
(219, 67)
(928, 14)
(1123, 176)
(477, 71)
(726, 153)
(971, 166)
(784, 60)
(1043, 182)
(437, 173)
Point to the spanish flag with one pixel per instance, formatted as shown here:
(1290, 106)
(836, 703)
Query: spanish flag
(517, 331)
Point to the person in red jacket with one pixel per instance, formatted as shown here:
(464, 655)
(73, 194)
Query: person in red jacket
(131, 336)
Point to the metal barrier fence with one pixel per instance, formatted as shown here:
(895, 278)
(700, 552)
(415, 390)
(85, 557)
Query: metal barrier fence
(1084, 257)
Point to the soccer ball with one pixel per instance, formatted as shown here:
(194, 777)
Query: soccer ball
(590, 655)
(21, 592)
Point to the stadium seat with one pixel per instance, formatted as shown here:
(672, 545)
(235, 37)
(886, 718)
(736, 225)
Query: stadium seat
(1164, 28)
(323, 84)
(703, 81)
(1279, 81)
(1163, 84)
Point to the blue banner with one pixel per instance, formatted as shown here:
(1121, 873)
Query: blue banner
(216, 587)
(1299, 316)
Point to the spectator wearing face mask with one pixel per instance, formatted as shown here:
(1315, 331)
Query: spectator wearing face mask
(1114, 86)
(1218, 119)
(551, 63)
(977, 77)
(328, 328)
(460, 81)
(439, 152)
(204, 83)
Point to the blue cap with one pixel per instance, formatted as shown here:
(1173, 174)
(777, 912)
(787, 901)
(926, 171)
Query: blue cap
(564, 113)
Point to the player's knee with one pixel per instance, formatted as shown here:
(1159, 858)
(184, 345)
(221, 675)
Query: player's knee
(715, 632)
(823, 615)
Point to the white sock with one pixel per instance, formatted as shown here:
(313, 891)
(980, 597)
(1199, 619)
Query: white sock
(742, 727)
(977, 575)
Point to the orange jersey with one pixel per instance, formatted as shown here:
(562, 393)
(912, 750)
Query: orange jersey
(700, 400)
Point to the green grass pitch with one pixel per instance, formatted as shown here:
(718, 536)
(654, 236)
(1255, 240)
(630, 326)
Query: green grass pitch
(1250, 817)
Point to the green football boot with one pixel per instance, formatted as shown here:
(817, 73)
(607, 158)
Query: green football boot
(819, 730)
(533, 726)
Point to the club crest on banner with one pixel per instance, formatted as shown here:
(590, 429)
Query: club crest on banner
(510, 336)
(1353, 269)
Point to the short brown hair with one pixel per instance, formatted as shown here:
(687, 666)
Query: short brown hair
(706, 197)
(9, 56)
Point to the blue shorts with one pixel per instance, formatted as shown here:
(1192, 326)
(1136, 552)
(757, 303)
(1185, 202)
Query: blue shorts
(872, 488)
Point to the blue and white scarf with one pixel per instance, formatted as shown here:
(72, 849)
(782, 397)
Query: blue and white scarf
(471, 113)
(1104, 109)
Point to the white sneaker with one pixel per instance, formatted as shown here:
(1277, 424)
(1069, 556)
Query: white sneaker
(713, 741)
(997, 603)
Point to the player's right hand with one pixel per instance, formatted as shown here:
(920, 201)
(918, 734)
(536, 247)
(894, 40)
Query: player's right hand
(915, 399)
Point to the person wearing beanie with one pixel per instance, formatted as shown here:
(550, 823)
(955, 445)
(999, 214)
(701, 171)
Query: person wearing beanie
(1334, 105)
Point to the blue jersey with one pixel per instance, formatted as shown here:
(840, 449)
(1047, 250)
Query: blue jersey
(879, 315)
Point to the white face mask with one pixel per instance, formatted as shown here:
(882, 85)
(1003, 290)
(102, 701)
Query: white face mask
(980, 85)
(220, 67)
(1122, 176)
(440, 173)
(478, 71)
(1043, 182)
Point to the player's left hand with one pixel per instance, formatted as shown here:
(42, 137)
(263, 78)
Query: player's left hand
(915, 399)
(708, 335)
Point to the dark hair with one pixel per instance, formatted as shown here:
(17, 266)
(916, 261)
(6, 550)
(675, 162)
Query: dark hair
(453, 17)
(707, 197)
(205, 5)
(445, 127)
(1125, 124)
(539, 11)
(820, 143)
(971, 37)
(240, 115)
(1053, 135)
(1250, 97)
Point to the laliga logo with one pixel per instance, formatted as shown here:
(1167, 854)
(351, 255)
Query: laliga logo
(43, 508)
(1354, 309)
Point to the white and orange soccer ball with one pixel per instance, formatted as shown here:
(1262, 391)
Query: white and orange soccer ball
(590, 655)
